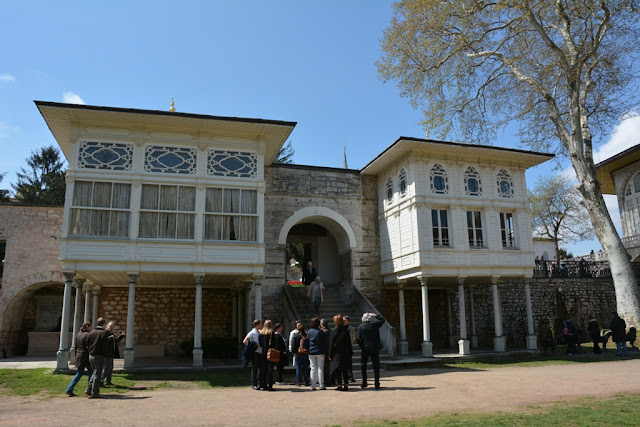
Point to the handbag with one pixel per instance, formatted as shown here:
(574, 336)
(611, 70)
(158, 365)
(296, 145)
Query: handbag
(273, 355)
(302, 349)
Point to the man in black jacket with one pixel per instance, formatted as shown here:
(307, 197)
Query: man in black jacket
(368, 338)
(98, 349)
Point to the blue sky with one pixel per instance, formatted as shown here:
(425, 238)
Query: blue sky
(306, 61)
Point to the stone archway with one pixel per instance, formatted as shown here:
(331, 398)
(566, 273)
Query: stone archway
(337, 225)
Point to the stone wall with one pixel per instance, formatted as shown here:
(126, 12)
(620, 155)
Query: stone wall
(166, 316)
(551, 300)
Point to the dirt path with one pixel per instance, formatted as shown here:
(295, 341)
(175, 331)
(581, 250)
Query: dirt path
(405, 394)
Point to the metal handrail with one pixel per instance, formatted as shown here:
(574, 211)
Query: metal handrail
(289, 302)
(577, 269)
(387, 332)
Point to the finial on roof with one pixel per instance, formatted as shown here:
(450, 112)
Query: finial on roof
(344, 162)
(173, 108)
(426, 134)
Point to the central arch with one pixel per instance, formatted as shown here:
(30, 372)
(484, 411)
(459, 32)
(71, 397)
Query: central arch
(337, 225)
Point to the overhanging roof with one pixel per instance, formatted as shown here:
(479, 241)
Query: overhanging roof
(60, 116)
(606, 168)
(434, 148)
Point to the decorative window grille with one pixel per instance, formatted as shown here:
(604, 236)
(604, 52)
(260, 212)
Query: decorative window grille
(439, 180)
(167, 211)
(100, 209)
(474, 227)
(440, 226)
(163, 159)
(237, 164)
(389, 191)
(507, 230)
(402, 182)
(505, 184)
(472, 182)
(231, 214)
(105, 155)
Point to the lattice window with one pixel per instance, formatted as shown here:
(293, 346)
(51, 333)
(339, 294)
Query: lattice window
(105, 155)
(439, 180)
(389, 190)
(237, 164)
(402, 181)
(505, 184)
(163, 159)
(472, 182)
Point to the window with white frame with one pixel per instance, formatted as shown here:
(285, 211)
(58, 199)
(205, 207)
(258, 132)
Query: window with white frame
(100, 209)
(389, 191)
(439, 180)
(505, 184)
(472, 182)
(507, 230)
(440, 227)
(402, 182)
(231, 214)
(474, 228)
(167, 211)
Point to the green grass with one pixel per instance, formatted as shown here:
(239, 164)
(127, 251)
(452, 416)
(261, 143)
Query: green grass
(29, 382)
(621, 410)
(203, 380)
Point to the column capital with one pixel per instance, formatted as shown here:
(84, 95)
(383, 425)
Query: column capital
(133, 277)
(69, 275)
(87, 287)
(95, 290)
(248, 284)
(495, 280)
(257, 278)
(78, 282)
(400, 283)
(460, 280)
(199, 278)
(423, 280)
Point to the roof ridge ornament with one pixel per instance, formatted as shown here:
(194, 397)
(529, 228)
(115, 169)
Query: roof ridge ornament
(173, 108)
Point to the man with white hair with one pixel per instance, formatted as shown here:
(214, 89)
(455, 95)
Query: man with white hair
(368, 338)
(112, 352)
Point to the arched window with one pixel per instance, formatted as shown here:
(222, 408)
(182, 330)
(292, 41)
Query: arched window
(402, 182)
(632, 207)
(505, 184)
(389, 190)
(472, 182)
(439, 181)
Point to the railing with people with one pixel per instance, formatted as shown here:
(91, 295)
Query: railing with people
(387, 332)
(576, 269)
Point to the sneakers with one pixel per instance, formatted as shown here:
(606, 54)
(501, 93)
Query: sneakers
(282, 383)
(87, 392)
(313, 388)
(255, 387)
(322, 387)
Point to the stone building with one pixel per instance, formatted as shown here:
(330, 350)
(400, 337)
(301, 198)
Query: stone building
(177, 225)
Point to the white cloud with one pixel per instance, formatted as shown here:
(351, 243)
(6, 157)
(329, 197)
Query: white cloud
(72, 98)
(624, 136)
(6, 130)
(6, 77)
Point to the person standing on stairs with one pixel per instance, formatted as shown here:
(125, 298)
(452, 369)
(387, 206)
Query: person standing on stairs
(308, 275)
(317, 293)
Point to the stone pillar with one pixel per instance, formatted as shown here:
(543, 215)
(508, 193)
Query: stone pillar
(532, 340)
(94, 313)
(499, 341)
(452, 340)
(247, 308)
(427, 346)
(131, 308)
(77, 319)
(87, 303)
(403, 345)
(241, 327)
(197, 333)
(474, 337)
(63, 352)
(463, 343)
(257, 286)
(234, 315)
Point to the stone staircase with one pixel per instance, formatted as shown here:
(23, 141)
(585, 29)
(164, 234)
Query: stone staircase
(334, 303)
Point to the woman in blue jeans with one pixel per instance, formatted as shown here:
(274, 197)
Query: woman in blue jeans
(299, 339)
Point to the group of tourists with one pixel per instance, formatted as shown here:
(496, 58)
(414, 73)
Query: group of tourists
(618, 333)
(95, 350)
(322, 356)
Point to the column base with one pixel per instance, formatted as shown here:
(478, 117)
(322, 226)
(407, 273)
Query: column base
(474, 341)
(62, 359)
(128, 358)
(403, 348)
(452, 341)
(463, 347)
(72, 356)
(197, 358)
(532, 342)
(427, 349)
(500, 344)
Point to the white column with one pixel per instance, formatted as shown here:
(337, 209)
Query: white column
(247, 308)
(87, 303)
(452, 340)
(403, 346)
(427, 346)
(197, 334)
(532, 340)
(94, 313)
(77, 319)
(234, 315)
(474, 337)
(241, 329)
(257, 286)
(463, 343)
(499, 341)
(131, 306)
(63, 352)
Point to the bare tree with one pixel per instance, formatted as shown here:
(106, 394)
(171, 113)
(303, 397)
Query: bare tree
(285, 154)
(557, 212)
(4, 194)
(561, 69)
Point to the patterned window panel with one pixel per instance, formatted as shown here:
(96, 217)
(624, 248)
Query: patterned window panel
(236, 164)
(105, 155)
(163, 159)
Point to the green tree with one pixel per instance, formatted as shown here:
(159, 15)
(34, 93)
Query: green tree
(4, 194)
(285, 155)
(562, 70)
(43, 182)
(557, 212)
